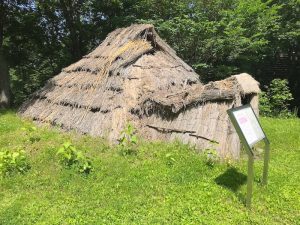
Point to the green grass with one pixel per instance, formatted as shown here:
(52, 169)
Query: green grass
(144, 189)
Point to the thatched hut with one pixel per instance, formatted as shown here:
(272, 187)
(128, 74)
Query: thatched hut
(135, 76)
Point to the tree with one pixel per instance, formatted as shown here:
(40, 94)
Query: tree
(217, 37)
(4, 75)
(12, 14)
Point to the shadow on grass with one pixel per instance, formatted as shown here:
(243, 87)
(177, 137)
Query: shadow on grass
(231, 179)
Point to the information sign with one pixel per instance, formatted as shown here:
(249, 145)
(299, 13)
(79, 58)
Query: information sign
(250, 132)
(249, 125)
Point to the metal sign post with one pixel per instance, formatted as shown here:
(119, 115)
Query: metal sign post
(266, 162)
(250, 180)
(250, 132)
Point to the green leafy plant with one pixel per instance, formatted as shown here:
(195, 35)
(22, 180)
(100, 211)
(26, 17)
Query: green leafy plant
(71, 157)
(275, 101)
(30, 133)
(211, 154)
(128, 140)
(13, 162)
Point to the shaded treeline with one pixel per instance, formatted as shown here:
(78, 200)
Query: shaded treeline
(217, 37)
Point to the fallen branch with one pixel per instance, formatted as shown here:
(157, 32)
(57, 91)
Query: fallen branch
(198, 136)
(170, 130)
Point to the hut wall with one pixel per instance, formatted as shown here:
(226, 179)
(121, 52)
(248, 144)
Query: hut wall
(254, 102)
(202, 126)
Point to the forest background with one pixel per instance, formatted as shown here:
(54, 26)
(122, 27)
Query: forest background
(216, 37)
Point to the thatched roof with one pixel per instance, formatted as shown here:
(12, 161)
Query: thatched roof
(247, 84)
(131, 75)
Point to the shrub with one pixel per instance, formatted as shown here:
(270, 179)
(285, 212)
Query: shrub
(71, 157)
(13, 162)
(128, 140)
(275, 101)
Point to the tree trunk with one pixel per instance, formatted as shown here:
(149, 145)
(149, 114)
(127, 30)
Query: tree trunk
(4, 75)
(4, 84)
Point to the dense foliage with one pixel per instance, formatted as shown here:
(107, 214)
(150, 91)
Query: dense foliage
(218, 38)
(164, 183)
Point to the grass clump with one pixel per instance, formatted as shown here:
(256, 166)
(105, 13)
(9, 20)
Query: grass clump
(30, 133)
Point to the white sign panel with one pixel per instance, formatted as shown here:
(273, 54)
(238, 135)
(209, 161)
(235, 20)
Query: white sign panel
(249, 125)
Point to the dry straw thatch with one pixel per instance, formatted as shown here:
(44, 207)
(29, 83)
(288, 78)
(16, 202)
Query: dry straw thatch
(135, 76)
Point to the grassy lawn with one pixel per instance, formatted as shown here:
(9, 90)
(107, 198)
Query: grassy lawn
(145, 188)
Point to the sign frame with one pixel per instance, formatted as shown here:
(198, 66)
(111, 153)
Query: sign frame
(249, 150)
